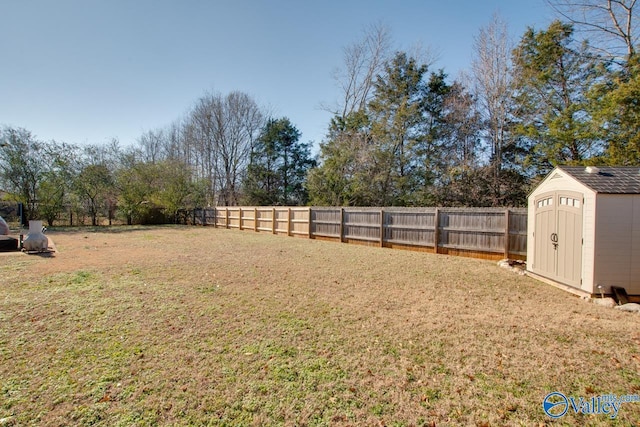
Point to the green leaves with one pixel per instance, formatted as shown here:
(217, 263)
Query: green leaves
(553, 77)
(278, 167)
(145, 187)
(617, 114)
(389, 153)
(23, 165)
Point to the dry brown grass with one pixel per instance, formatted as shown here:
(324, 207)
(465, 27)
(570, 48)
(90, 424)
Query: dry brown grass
(202, 326)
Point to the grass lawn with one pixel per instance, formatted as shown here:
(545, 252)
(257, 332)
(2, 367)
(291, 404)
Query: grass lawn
(203, 326)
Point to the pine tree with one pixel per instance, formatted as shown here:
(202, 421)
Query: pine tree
(553, 76)
(278, 166)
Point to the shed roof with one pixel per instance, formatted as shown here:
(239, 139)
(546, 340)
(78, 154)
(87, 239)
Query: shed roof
(608, 179)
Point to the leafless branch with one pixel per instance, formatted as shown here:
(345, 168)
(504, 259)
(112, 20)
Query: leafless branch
(612, 25)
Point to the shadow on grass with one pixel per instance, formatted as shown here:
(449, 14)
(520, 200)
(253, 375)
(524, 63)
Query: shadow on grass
(115, 229)
(48, 254)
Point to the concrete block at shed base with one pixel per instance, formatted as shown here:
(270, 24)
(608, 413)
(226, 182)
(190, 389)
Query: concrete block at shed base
(631, 307)
(605, 302)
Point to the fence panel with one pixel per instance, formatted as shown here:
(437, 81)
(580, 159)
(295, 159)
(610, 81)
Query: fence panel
(299, 221)
(264, 219)
(518, 232)
(220, 218)
(292, 221)
(247, 218)
(233, 217)
(472, 230)
(410, 227)
(197, 217)
(282, 220)
(207, 216)
(325, 222)
(362, 224)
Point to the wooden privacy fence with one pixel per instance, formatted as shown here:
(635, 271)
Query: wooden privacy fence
(292, 221)
(490, 233)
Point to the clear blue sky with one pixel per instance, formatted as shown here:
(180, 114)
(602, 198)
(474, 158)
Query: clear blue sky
(86, 71)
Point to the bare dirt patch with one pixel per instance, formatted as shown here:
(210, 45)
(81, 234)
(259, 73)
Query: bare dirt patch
(197, 326)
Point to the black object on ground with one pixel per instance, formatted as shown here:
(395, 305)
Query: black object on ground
(620, 295)
(8, 244)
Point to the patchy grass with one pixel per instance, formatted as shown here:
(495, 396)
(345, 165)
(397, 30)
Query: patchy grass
(202, 326)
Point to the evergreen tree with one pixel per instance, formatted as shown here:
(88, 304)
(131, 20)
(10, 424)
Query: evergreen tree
(398, 130)
(552, 78)
(394, 152)
(278, 166)
(347, 170)
(617, 114)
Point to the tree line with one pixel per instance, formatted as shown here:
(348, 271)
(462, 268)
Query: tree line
(225, 151)
(405, 134)
(401, 134)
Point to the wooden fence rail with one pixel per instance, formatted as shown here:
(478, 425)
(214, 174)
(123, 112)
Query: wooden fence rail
(490, 233)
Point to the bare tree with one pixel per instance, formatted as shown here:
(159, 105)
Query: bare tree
(221, 131)
(152, 145)
(610, 25)
(242, 122)
(176, 144)
(462, 128)
(201, 133)
(492, 75)
(363, 61)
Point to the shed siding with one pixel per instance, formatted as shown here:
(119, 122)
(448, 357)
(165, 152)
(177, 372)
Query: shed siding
(611, 229)
(635, 247)
(589, 241)
(616, 252)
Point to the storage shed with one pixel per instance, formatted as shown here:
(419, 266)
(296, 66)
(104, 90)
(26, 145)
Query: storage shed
(584, 228)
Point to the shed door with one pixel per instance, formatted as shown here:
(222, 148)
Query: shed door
(558, 237)
(545, 256)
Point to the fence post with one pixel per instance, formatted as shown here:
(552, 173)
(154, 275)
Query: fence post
(341, 224)
(309, 223)
(273, 220)
(288, 221)
(255, 219)
(381, 227)
(436, 234)
(507, 218)
(226, 217)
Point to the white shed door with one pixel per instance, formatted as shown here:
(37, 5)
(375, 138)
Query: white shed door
(558, 237)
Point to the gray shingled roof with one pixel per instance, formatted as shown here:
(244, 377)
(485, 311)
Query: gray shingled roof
(609, 179)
